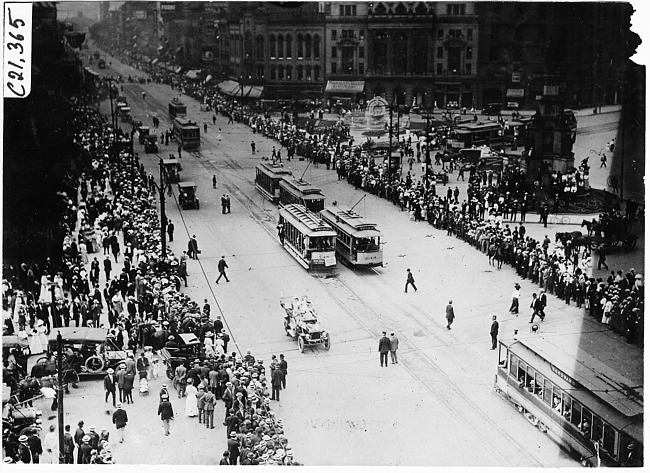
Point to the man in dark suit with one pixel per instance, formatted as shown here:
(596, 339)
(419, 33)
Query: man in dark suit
(208, 409)
(494, 331)
(120, 418)
(166, 412)
(78, 436)
(384, 348)
(276, 384)
(68, 446)
(84, 450)
(109, 385)
(233, 448)
(283, 365)
(449, 314)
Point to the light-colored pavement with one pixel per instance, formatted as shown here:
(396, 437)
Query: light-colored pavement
(435, 408)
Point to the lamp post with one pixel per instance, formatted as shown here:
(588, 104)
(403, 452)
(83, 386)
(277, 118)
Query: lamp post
(390, 138)
(59, 396)
(163, 217)
(427, 159)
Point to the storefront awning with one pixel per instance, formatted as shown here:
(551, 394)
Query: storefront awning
(345, 86)
(228, 87)
(517, 93)
(154, 61)
(208, 79)
(193, 74)
(252, 91)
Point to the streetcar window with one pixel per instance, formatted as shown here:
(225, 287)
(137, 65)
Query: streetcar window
(513, 366)
(586, 424)
(566, 407)
(597, 429)
(539, 385)
(521, 374)
(557, 404)
(576, 413)
(548, 392)
(609, 440)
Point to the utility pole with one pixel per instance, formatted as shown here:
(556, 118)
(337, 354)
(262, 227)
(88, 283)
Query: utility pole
(59, 396)
(390, 138)
(163, 217)
(427, 160)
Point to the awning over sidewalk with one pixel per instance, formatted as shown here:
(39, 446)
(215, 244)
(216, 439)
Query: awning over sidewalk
(228, 87)
(193, 74)
(252, 91)
(516, 93)
(208, 79)
(154, 61)
(345, 86)
(178, 69)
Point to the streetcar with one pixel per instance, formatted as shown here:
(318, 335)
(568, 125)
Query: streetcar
(177, 108)
(584, 405)
(476, 134)
(358, 243)
(297, 191)
(187, 133)
(308, 239)
(267, 180)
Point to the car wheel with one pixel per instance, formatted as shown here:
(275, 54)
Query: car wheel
(94, 364)
(327, 343)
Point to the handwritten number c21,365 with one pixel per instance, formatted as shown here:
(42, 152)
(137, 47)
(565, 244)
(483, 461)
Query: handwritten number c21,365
(11, 46)
(17, 37)
(15, 75)
(10, 86)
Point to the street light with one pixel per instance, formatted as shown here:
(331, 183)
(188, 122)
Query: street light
(163, 217)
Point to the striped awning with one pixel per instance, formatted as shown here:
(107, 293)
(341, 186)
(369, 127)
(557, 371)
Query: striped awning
(193, 74)
(228, 87)
(345, 86)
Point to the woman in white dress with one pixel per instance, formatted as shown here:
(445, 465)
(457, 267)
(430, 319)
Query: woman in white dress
(41, 329)
(84, 253)
(191, 408)
(35, 345)
(45, 295)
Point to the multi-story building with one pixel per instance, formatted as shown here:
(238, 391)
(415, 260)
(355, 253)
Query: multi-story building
(278, 47)
(138, 31)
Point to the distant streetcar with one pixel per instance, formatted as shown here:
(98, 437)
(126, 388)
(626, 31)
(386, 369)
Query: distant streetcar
(583, 404)
(358, 243)
(308, 239)
(267, 180)
(297, 191)
(177, 108)
(187, 133)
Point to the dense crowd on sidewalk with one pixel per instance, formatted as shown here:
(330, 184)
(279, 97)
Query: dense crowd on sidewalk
(114, 213)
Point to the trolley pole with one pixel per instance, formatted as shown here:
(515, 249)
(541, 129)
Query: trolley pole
(59, 395)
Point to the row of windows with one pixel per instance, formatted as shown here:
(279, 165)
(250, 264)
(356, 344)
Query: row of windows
(362, 52)
(469, 52)
(307, 73)
(590, 426)
(294, 237)
(282, 46)
(456, 33)
(348, 34)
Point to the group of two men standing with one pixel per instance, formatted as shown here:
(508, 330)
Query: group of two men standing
(387, 345)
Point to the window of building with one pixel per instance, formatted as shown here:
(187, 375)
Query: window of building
(272, 46)
(273, 73)
(439, 68)
(361, 68)
(316, 73)
(455, 9)
(350, 10)
(439, 52)
(300, 73)
(333, 35)
(334, 51)
(347, 34)
(341, 10)
(362, 52)
(441, 34)
(308, 46)
(299, 45)
(289, 46)
(280, 46)
(289, 72)
(280, 72)
(308, 72)
(362, 35)
(333, 68)
(469, 53)
(470, 35)
(328, 8)
(316, 46)
(260, 72)
(468, 69)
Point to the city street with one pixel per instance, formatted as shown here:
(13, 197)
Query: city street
(437, 407)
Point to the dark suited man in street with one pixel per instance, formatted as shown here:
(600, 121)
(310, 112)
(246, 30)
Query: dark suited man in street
(394, 344)
(283, 365)
(193, 248)
(120, 419)
(208, 409)
(108, 266)
(276, 384)
(449, 314)
(78, 436)
(384, 348)
(68, 446)
(222, 265)
(109, 385)
(410, 280)
(170, 230)
(494, 331)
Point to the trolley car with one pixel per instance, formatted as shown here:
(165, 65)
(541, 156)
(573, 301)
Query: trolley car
(297, 191)
(187, 133)
(583, 404)
(357, 241)
(177, 108)
(308, 239)
(267, 180)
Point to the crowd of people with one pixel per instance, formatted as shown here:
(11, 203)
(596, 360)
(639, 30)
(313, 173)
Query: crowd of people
(113, 212)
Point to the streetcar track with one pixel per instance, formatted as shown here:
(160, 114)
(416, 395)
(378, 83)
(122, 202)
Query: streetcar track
(424, 363)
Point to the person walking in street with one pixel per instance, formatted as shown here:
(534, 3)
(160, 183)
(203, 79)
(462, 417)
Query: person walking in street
(35, 446)
(449, 314)
(109, 385)
(51, 445)
(191, 408)
(180, 380)
(208, 409)
(182, 269)
(68, 446)
(129, 378)
(79, 434)
(205, 128)
(283, 365)
(394, 344)
(384, 348)
(233, 448)
(536, 308)
(223, 204)
(410, 280)
(253, 147)
(108, 266)
(514, 306)
(276, 383)
(222, 265)
(166, 412)
(214, 119)
(603, 161)
(214, 181)
(142, 365)
(120, 419)
(227, 203)
(193, 248)
(121, 373)
(602, 258)
(180, 147)
(170, 230)
(494, 331)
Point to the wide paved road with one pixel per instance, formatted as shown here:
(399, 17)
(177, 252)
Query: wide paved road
(437, 407)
